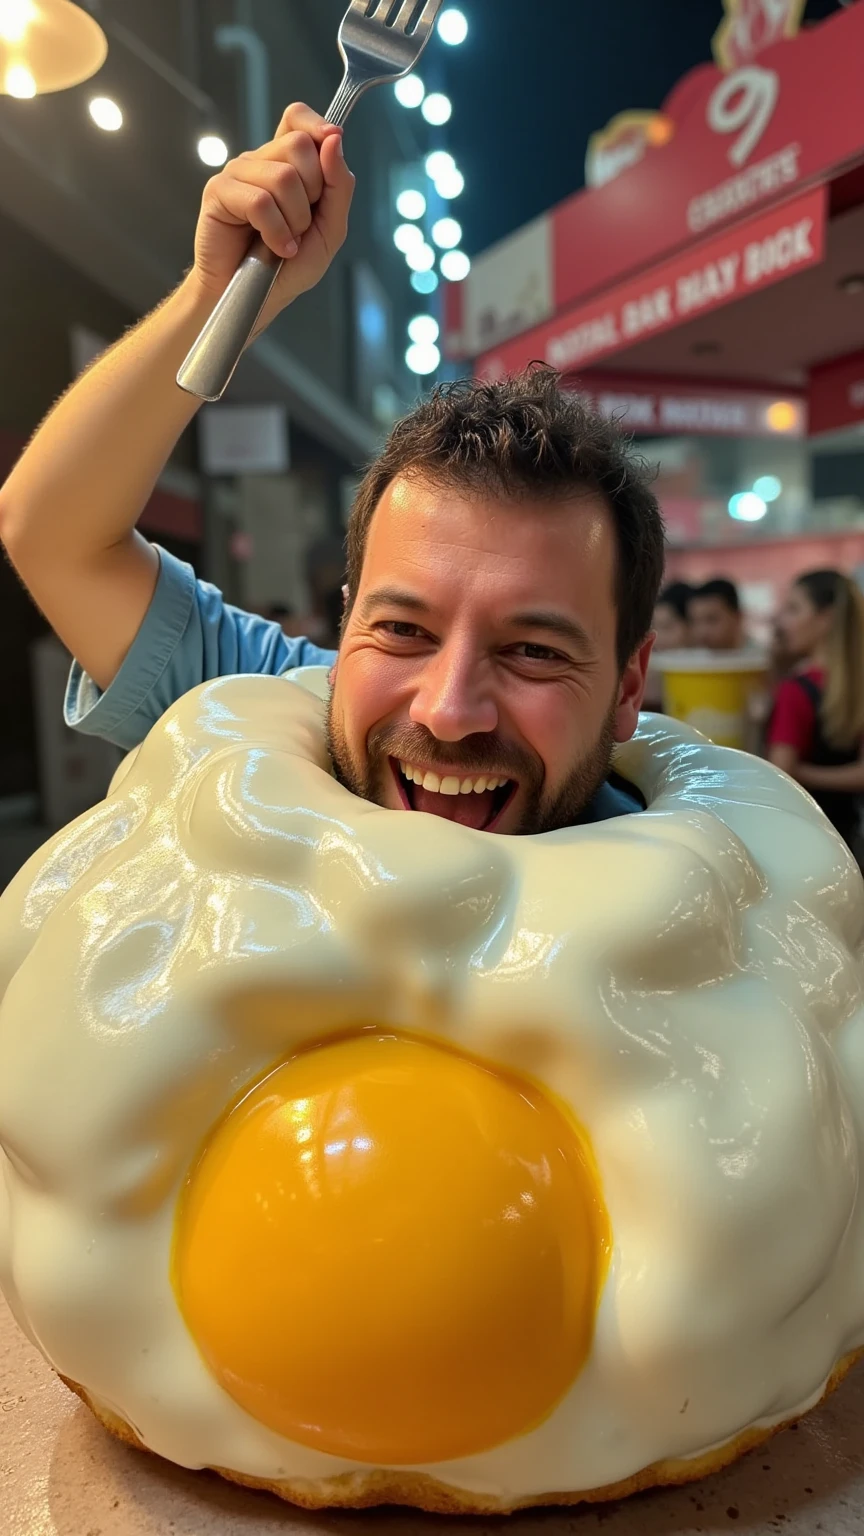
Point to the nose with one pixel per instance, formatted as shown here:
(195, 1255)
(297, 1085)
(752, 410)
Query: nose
(454, 696)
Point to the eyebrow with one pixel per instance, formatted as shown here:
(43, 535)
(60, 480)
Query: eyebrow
(392, 597)
(549, 623)
(554, 624)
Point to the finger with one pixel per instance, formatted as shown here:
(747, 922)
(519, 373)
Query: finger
(242, 202)
(299, 150)
(335, 203)
(285, 186)
(298, 118)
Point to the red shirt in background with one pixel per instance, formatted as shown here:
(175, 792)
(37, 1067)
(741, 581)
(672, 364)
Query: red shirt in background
(793, 723)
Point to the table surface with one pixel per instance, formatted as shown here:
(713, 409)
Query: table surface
(62, 1475)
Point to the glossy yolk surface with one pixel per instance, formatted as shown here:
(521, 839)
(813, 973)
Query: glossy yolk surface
(392, 1253)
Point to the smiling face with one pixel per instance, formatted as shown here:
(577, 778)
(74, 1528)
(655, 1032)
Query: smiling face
(478, 677)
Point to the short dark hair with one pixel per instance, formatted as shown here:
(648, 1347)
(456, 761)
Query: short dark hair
(723, 588)
(676, 596)
(522, 437)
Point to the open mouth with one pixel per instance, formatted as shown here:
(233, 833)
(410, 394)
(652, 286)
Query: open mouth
(473, 800)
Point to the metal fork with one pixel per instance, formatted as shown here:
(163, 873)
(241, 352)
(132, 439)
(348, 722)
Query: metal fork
(379, 40)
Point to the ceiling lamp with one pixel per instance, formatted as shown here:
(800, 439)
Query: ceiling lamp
(106, 114)
(47, 45)
(424, 282)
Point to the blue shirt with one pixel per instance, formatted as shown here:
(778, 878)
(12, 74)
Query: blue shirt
(191, 635)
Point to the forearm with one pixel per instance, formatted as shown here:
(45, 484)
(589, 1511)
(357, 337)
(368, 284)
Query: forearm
(86, 476)
(849, 778)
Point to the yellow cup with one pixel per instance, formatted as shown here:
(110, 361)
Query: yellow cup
(716, 692)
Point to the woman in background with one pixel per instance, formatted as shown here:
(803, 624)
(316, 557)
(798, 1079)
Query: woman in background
(816, 731)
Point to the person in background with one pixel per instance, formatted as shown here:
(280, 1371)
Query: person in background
(671, 623)
(715, 617)
(672, 629)
(816, 731)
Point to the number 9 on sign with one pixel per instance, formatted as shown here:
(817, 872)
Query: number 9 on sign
(744, 101)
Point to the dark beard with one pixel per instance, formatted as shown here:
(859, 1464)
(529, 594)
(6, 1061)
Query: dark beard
(475, 755)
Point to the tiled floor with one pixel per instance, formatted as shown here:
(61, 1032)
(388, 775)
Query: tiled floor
(61, 1475)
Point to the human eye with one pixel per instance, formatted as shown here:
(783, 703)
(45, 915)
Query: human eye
(528, 651)
(400, 629)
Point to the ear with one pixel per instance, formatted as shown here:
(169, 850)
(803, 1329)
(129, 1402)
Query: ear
(631, 690)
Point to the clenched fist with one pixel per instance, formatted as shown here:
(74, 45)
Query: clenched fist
(295, 192)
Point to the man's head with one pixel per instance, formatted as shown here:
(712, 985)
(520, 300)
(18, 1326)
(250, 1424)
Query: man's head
(504, 557)
(714, 612)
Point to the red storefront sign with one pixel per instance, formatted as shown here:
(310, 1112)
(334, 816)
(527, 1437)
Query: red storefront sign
(669, 408)
(715, 272)
(790, 117)
(837, 394)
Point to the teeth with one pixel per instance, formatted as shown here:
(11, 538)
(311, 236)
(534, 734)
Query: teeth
(450, 785)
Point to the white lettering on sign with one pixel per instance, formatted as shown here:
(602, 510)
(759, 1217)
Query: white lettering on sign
(790, 247)
(759, 181)
(704, 415)
(856, 394)
(648, 313)
(708, 285)
(585, 340)
(745, 100)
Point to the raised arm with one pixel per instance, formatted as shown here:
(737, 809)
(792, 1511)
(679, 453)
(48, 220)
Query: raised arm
(68, 510)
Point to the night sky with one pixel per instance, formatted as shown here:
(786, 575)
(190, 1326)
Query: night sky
(537, 77)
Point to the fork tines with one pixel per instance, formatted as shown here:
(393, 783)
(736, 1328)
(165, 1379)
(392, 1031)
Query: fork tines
(413, 17)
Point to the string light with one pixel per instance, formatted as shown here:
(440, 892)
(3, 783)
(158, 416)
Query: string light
(424, 330)
(437, 109)
(410, 91)
(452, 27)
(411, 205)
(423, 360)
(455, 266)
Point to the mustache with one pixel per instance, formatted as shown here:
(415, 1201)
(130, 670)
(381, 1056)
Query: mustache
(484, 753)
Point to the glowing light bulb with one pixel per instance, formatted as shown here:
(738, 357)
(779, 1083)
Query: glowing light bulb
(19, 82)
(212, 150)
(106, 114)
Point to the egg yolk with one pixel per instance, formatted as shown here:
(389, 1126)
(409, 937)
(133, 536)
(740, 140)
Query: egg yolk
(392, 1253)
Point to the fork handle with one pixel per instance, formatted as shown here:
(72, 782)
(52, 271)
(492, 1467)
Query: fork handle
(213, 358)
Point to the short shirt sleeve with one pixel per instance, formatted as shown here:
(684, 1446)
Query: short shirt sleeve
(190, 635)
(793, 722)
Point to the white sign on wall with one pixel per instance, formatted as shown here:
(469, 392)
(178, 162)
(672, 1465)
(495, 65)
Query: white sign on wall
(244, 440)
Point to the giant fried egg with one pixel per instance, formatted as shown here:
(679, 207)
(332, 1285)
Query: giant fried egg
(371, 1158)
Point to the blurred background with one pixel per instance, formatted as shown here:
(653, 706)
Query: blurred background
(664, 200)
